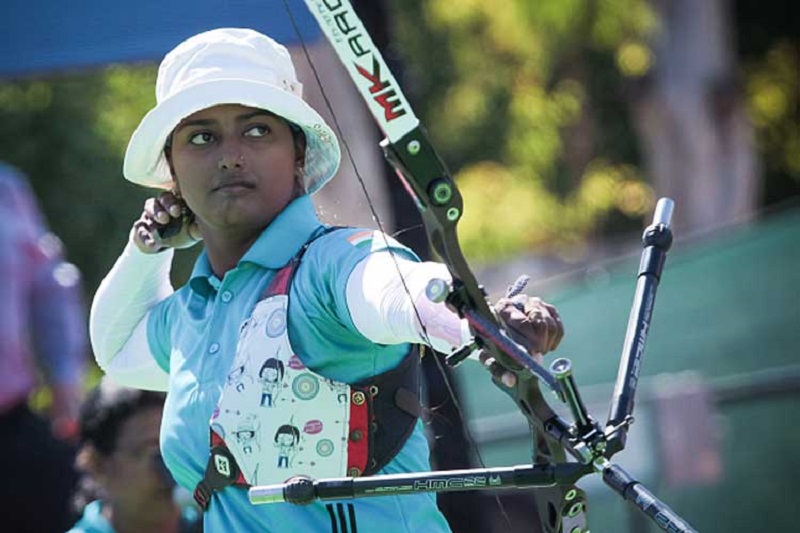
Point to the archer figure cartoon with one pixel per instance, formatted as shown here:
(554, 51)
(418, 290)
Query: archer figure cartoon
(271, 378)
(287, 439)
(247, 434)
(237, 378)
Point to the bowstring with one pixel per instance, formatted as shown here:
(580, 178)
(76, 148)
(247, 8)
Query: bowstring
(376, 218)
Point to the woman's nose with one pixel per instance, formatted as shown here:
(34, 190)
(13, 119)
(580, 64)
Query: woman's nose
(231, 159)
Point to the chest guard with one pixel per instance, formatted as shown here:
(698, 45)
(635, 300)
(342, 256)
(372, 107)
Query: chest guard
(276, 418)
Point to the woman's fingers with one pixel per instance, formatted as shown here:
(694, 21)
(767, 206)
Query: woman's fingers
(164, 208)
(532, 320)
(171, 204)
(165, 222)
(558, 325)
(143, 234)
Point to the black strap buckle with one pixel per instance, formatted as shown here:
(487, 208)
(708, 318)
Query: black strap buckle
(221, 471)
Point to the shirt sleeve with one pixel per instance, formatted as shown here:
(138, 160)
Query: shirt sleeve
(119, 316)
(387, 303)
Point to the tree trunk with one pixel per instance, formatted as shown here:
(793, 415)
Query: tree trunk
(696, 138)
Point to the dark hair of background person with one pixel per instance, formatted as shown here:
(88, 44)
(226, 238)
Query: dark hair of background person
(123, 468)
(102, 415)
(125, 482)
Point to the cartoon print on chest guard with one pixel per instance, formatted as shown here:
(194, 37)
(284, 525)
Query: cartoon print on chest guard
(276, 323)
(287, 440)
(270, 376)
(238, 379)
(246, 435)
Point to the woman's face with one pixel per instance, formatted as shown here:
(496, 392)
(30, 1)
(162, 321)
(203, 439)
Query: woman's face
(235, 166)
(131, 475)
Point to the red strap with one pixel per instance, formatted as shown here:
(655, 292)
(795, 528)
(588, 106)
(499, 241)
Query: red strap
(216, 440)
(358, 441)
(280, 283)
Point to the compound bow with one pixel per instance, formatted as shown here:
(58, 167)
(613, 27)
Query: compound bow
(561, 504)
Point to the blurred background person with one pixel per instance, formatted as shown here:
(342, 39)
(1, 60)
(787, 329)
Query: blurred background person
(42, 341)
(126, 487)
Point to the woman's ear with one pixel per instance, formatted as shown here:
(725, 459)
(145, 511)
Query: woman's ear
(168, 157)
(299, 139)
(299, 147)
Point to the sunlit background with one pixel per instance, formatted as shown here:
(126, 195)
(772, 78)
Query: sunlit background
(563, 121)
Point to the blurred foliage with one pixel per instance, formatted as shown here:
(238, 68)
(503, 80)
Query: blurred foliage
(68, 134)
(768, 45)
(526, 102)
(773, 103)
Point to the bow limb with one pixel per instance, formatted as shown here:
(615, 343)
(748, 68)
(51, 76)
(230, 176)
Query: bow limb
(407, 147)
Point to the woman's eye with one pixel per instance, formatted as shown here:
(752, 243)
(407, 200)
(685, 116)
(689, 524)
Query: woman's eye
(201, 138)
(257, 131)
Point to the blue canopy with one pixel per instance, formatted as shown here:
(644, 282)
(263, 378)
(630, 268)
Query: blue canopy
(42, 36)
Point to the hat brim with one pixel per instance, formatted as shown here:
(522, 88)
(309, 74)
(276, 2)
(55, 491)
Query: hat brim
(146, 165)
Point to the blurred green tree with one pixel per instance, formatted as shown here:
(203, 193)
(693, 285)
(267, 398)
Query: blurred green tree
(526, 101)
(557, 116)
(68, 134)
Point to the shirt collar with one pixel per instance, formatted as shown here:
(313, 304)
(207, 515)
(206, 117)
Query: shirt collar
(93, 519)
(276, 245)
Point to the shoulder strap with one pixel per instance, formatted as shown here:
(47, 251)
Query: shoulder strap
(283, 279)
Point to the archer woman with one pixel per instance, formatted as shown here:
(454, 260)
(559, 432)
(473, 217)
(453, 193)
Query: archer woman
(239, 154)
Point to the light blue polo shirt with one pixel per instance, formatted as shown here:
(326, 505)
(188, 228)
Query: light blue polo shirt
(92, 520)
(193, 336)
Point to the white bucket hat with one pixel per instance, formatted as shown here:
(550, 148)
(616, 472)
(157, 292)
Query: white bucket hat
(227, 66)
